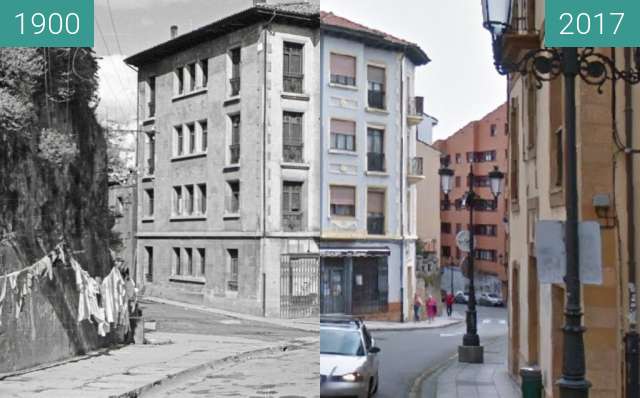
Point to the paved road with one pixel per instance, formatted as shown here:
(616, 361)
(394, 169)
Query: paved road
(290, 374)
(172, 319)
(407, 354)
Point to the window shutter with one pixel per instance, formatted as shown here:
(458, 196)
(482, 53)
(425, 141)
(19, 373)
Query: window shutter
(375, 202)
(343, 127)
(345, 196)
(343, 65)
(375, 74)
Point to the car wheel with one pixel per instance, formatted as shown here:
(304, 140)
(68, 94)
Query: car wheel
(370, 389)
(375, 389)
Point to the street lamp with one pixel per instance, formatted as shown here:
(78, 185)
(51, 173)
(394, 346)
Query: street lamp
(471, 351)
(545, 64)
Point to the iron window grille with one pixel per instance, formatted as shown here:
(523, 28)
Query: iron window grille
(293, 76)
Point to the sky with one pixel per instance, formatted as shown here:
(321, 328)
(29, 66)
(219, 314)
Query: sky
(459, 85)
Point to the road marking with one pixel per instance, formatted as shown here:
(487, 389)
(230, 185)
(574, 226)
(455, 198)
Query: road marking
(485, 321)
(231, 322)
(451, 334)
(502, 322)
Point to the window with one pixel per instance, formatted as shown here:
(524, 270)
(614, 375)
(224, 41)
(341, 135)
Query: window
(375, 212)
(149, 205)
(559, 158)
(343, 69)
(293, 68)
(515, 149)
(191, 71)
(203, 262)
(446, 251)
(458, 158)
(233, 197)
(149, 273)
(485, 255)
(189, 264)
(470, 157)
(177, 261)
(445, 228)
(234, 147)
(202, 199)
(292, 145)
(343, 135)
(485, 230)
(485, 205)
(458, 227)
(234, 81)
(179, 140)
(204, 135)
(177, 201)
(445, 205)
(458, 181)
(375, 149)
(481, 181)
(189, 199)
(494, 129)
(179, 74)
(151, 110)
(343, 201)
(376, 79)
(232, 278)
(150, 153)
(191, 128)
(204, 69)
(292, 206)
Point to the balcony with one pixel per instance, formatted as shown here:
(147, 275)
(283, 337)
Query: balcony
(235, 86)
(415, 111)
(292, 83)
(292, 153)
(522, 36)
(416, 172)
(292, 222)
(375, 225)
(375, 161)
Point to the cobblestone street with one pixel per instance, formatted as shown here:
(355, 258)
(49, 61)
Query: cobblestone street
(289, 374)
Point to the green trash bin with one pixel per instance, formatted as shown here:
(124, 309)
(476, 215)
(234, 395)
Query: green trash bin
(531, 382)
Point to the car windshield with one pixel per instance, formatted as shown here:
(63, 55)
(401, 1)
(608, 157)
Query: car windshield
(340, 342)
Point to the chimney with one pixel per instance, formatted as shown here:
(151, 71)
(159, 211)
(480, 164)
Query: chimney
(174, 31)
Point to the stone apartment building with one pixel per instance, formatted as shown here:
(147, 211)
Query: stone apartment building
(369, 170)
(229, 162)
(483, 145)
(537, 192)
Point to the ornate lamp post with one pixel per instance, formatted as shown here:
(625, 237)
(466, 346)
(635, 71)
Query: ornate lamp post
(471, 351)
(545, 64)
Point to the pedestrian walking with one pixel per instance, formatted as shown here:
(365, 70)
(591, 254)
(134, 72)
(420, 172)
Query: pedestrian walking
(449, 301)
(417, 304)
(432, 308)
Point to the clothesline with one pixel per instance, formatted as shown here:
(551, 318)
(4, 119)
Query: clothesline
(56, 253)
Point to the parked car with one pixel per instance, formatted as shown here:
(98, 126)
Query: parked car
(461, 298)
(348, 358)
(491, 300)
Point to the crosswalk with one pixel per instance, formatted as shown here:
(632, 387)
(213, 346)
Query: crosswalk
(462, 327)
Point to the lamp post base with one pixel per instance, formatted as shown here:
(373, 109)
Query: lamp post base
(573, 388)
(471, 354)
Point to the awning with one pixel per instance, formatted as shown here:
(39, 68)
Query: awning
(355, 252)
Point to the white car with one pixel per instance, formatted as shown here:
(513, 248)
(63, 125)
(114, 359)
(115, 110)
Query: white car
(490, 299)
(348, 358)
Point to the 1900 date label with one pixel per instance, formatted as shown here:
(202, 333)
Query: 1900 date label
(46, 23)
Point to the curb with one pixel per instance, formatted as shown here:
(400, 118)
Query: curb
(173, 378)
(245, 317)
(401, 329)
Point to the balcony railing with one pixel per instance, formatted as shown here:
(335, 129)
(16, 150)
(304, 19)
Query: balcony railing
(292, 83)
(416, 106)
(375, 225)
(375, 161)
(376, 99)
(235, 86)
(234, 153)
(292, 222)
(292, 153)
(417, 167)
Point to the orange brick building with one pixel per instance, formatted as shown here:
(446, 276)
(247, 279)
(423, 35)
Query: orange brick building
(482, 144)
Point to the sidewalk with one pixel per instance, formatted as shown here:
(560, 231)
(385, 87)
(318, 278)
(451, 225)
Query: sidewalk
(130, 370)
(439, 322)
(487, 380)
(305, 324)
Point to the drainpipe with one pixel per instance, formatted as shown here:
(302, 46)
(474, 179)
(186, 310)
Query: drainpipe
(265, 43)
(631, 337)
(403, 121)
(322, 148)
